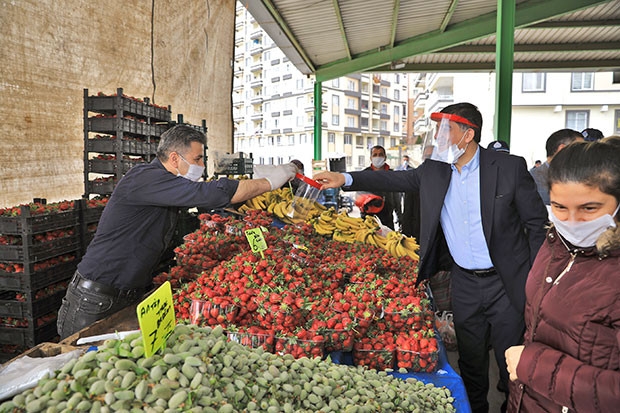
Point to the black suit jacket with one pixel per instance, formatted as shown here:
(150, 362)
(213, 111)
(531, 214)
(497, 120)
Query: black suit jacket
(513, 215)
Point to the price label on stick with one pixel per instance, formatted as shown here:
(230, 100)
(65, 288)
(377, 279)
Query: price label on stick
(156, 318)
(257, 240)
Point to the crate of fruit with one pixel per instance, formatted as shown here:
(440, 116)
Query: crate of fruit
(31, 335)
(23, 305)
(34, 251)
(36, 218)
(32, 277)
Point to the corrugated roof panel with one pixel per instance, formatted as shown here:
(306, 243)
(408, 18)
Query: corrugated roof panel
(416, 18)
(466, 10)
(367, 24)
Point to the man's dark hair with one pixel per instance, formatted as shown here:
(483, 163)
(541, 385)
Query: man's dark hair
(471, 113)
(595, 164)
(378, 147)
(178, 139)
(561, 137)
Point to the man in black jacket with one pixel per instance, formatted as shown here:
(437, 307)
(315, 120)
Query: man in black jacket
(486, 207)
(139, 220)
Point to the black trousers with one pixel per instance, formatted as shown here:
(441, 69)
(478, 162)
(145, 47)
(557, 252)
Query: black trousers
(483, 317)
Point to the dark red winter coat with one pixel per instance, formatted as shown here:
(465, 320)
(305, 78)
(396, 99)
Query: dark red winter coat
(571, 360)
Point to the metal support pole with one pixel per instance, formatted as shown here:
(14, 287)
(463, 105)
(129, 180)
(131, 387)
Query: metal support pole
(504, 63)
(318, 120)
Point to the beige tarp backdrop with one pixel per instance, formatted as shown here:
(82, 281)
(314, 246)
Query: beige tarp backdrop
(51, 50)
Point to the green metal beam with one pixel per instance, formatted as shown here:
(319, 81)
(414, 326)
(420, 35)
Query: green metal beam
(341, 26)
(448, 16)
(394, 23)
(528, 13)
(503, 69)
(535, 47)
(544, 65)
(284, 26)
(318, 120)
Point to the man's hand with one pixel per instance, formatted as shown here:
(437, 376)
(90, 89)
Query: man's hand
(277, 175)
(330, 179)
(513, 355)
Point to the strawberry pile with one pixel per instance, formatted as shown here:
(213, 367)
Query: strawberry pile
(305, 295)
(37, 208)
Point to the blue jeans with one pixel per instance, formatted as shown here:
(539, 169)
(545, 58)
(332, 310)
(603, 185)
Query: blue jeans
(81, 307)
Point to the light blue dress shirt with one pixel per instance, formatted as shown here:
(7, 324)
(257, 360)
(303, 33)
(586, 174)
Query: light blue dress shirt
(461, 219)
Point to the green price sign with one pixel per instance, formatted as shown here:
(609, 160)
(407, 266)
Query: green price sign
(156, 318)
(256, 239)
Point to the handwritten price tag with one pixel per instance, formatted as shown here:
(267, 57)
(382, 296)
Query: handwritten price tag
(156, 318)
(256, 239)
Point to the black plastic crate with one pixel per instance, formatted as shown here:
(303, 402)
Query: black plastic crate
(20, 309)
(91, 215)
(110, 104)
(100, 187)
(40, 251)
(102, 166)
(30, 280)
(112, 125)
(29, 224)
(9, 352)
(28, 336)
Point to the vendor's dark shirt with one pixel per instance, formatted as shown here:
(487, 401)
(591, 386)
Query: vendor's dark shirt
(139, 220)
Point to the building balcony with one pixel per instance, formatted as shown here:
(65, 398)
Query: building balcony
(256, 83)
(256, 99)
(238, 117)
(256, 50)
(257, 116)
(355, 112)
(238, 72)
(353, 93)
(238, 56)
(420, 100)
(256, 34)
(384, 116)
(256, 67)
(352, 129)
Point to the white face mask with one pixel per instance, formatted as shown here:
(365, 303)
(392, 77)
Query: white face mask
(378, 162)
(583, 233)
(451, 154)
(194, 173)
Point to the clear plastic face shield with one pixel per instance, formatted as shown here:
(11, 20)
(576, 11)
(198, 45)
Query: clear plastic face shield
(442, 142)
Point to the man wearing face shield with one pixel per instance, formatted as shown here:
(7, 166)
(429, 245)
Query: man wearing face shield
(484, 205)
(139, 220)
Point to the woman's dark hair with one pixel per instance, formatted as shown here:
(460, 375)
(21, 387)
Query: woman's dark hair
(595, 164)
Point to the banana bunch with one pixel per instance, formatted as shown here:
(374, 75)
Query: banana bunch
(325, 222)
(284, 205)
(400, 245)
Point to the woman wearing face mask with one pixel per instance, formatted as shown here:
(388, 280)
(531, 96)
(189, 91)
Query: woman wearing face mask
(570, 360)
(390, 202)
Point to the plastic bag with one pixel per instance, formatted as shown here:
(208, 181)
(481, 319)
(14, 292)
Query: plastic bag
(445, 326)
(25, 372)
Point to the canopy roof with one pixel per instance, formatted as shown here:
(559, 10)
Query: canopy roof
(332, 38)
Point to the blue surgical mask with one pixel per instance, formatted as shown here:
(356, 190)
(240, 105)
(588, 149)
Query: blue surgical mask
(194, 173)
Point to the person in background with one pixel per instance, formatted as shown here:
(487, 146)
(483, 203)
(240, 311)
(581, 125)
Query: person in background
(139, 221)
(569, 361)
(484, 206)
(390, 199)
(591, 134)
(499, 146)
(537, 163)
(404, 200)
(405, 165)
(555, 142)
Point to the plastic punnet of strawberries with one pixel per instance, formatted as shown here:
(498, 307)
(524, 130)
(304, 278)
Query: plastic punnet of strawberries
(417, 351)
(375, 352)
(302, 343)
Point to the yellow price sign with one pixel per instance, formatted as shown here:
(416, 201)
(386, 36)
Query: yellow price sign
(256, 239)
(156, 318)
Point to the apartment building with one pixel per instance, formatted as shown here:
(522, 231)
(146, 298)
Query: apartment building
(541, 104)
(273, 109)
